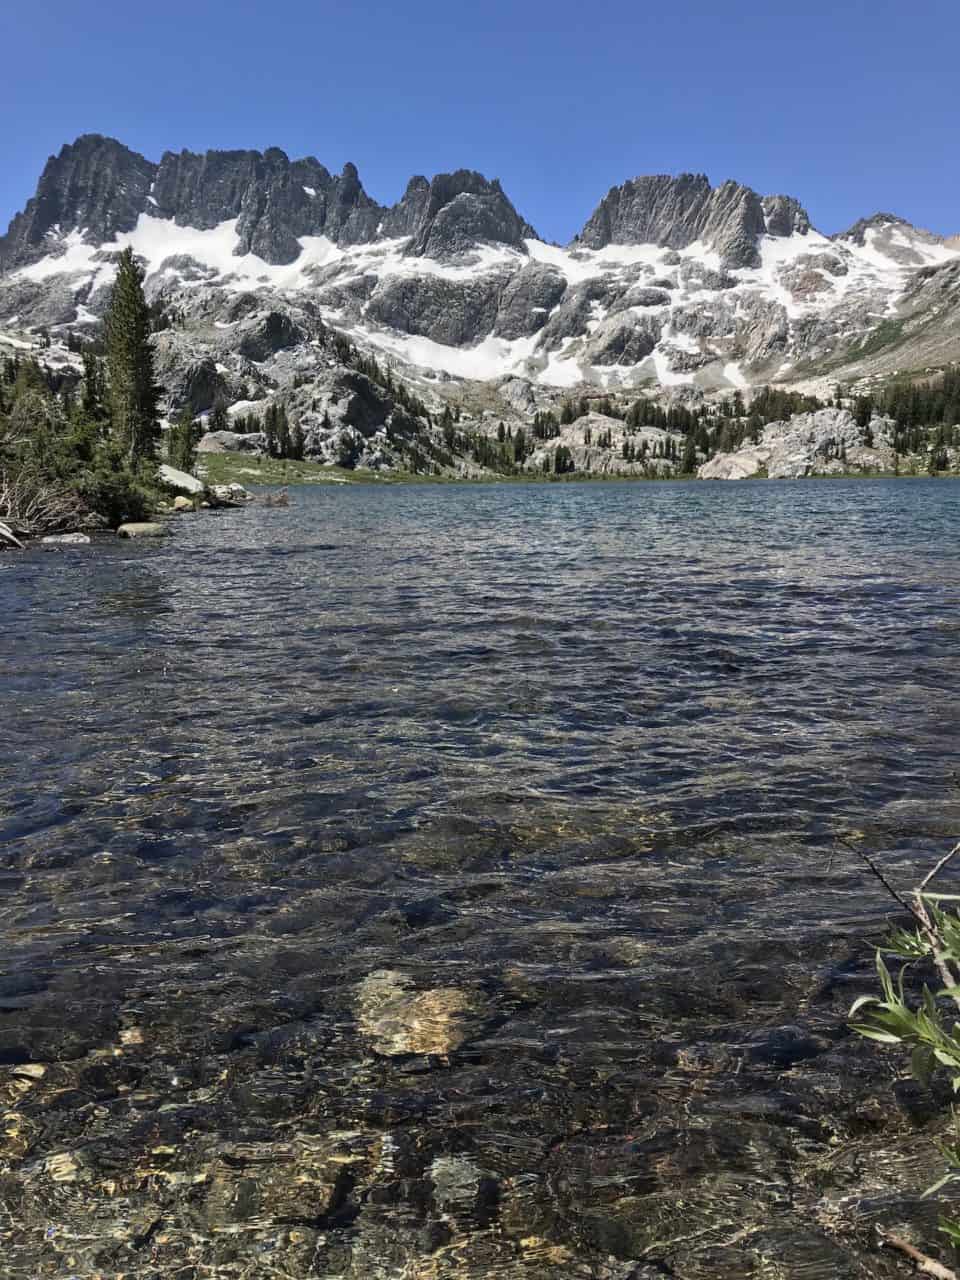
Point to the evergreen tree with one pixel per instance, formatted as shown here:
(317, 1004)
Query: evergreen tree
(688, 463)
(283, 433)
(182, 440)
(92, 404)
(297, 442)
(133, 392)
(219, 419)
(270, 430)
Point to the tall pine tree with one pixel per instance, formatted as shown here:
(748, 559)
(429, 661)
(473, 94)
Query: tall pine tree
(133, 392)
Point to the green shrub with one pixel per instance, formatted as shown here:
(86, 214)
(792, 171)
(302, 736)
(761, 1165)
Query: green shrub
(924, 1024)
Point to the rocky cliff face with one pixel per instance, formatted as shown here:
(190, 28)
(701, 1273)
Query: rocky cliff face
(95, 183)
(677, 212)
(99, 188)
(672, 281)
(827, 442)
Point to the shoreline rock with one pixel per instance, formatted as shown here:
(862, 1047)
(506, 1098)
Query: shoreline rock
(142, 529)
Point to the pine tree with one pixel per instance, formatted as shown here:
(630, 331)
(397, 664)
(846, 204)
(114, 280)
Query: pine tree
(182, 440)
(297, 442)
(92, 405)
(283, 433)
(133, 392)
(688, 463)
(219, 418)
(270, 430)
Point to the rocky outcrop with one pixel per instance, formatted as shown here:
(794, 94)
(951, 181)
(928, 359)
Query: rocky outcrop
(857, 234)
(99, 188)
(623, 340)
(232, 442)
(827, 442)
(453, 312)
(785, 216)
(274, 332)
(676, 212)
(454, 213)
(95, 184)
(528, 299)
(297, 248)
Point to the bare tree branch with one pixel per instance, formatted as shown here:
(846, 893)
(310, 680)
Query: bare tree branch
(865, 857)
(931, 875)
(925, 1265)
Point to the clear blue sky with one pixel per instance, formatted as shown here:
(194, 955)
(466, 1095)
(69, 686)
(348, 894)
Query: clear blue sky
(850, 105)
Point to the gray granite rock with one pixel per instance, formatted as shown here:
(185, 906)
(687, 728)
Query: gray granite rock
(828, 441)
(528, 299)
(623, 340)
(179, 481)
(96, 183)
(454, 312)
(232, 442)
(785, 216)
(675, 212)
(271, 333)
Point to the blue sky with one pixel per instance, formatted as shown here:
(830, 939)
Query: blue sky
(851, 106)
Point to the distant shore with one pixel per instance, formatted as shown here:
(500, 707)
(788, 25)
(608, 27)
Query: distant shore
(229, 468)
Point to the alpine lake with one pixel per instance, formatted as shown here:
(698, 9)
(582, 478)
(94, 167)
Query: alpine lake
(431, 882)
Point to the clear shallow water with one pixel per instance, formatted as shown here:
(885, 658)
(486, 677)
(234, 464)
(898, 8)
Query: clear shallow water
(577, 752)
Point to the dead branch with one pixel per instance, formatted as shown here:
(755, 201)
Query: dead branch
(920, 912)
(8, 535)
(925, 1265)
(31, 505)
(875, 870)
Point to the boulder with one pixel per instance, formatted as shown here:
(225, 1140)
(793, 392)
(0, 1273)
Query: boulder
(741, 465)
(180, 503)
(66, 539)
(232, 442)
(179, 480)
(142, 529)
(230, 495)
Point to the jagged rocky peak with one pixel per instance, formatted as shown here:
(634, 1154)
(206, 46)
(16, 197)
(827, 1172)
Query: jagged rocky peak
(455, 212)
(274, 199)
(785, 216)
(876, 222)
(101, 187)
(95, 185)
(674, 212)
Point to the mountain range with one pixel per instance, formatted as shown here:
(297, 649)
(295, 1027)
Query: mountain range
(672, 284)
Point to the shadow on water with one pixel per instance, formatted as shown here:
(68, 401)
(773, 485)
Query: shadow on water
(443, 882)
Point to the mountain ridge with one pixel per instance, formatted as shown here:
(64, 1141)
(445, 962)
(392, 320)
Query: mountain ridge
(671, 283)
(671, 205)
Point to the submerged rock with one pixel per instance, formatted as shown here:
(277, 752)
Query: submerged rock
(397, 1020)
(66, 539)
(142, 529)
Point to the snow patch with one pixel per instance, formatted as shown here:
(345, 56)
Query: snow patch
(734, 375)
(488, 359)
